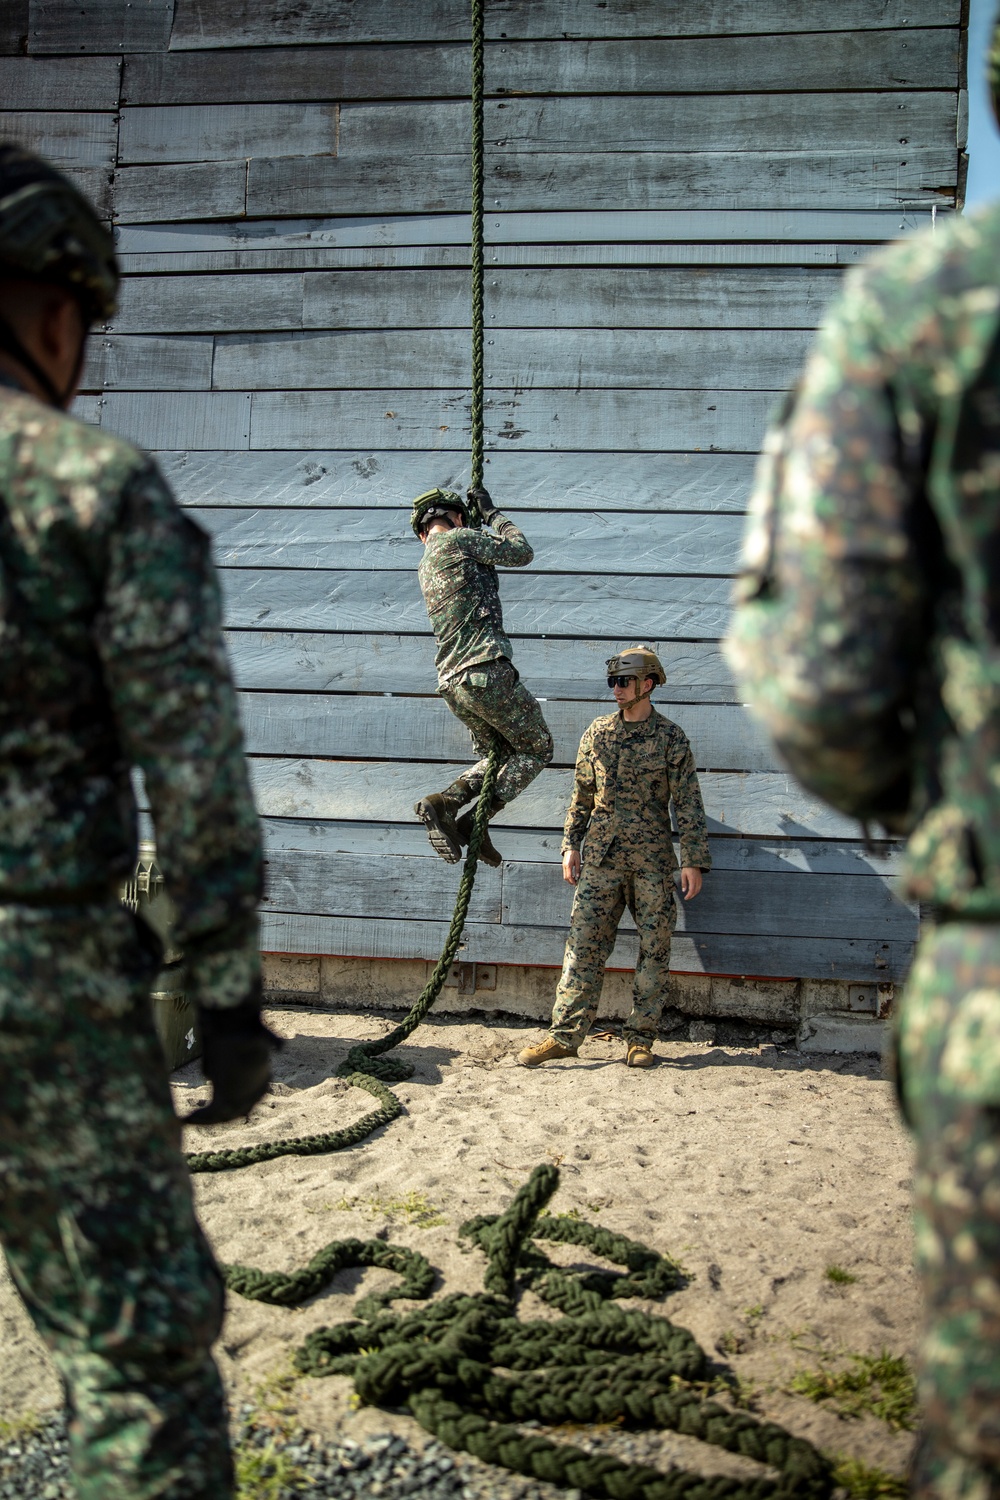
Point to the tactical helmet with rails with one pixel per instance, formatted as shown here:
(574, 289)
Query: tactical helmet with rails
(433, 505)
(50, 233)
(637, 661)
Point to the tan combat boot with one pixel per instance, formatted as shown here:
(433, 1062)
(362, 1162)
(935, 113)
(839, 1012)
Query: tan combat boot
(487, 853)
(639, 1055)
(437, 813)
(547, 1050)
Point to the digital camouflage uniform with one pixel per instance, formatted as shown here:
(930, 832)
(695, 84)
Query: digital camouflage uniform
(868, 635)
(476, 677)
(627, 778)
(111, 657)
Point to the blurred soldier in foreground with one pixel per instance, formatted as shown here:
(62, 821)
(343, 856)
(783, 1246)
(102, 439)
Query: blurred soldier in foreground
(867, 634)
(476, 677)
(631, 767)
(110, 658)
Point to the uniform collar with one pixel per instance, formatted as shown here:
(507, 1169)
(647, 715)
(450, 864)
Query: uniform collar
(646, 726)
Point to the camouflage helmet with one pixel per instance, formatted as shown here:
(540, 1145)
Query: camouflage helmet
(49, 232)
(637, 661)
(435, 503)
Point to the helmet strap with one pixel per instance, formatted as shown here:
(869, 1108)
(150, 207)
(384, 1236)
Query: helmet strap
(11, 344)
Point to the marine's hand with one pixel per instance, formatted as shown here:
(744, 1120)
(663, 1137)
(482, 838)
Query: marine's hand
(483, 500)
(690, 881)
(236, 1061)
(572, 865)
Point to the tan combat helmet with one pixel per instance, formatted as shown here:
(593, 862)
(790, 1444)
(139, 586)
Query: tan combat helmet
(640, 662)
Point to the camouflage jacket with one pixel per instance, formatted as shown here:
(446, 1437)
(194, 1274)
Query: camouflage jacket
(627, 776)
(458, 579)
(868, 610)
(111, 657)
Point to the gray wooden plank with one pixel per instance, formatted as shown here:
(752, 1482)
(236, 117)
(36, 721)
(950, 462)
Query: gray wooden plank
(664, 122)
(65, 139)
(525, 482)
(331, 661)
(717, 122)
(681, 226)
(71, 83)
(782, 856)
(345, 886)
(757, 803)
(203, 419)
(99, 25)
(444, 257)
(731, 902)
(191, 190)
(226, 132)
(858, 961)
(528, 359)
(148, 363)
(419, 70)
(13, 27)
(632, 608)
(208, 304)
(246, 23)
(723, 736)
(611, 420)
(381, 540)
(577, 297)
(530, 182)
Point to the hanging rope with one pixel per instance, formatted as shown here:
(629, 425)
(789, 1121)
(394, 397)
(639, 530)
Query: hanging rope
(478, 310)
(365, 1066)
(597, 1364)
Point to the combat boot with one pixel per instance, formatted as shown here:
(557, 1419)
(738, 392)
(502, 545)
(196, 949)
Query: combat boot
(488, 852)
(437, 813)
(547, 1050)
(639, 1055)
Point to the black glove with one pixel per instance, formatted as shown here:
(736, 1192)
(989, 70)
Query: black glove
(482, 500)
(236, 1061)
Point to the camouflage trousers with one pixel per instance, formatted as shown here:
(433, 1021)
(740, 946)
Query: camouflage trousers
(96, 1215)
(949, 1078)
(491, 700)
(602, 894)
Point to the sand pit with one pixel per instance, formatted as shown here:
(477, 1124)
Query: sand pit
(758, 1169)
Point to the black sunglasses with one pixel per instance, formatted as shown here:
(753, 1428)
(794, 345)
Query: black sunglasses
(621, 682)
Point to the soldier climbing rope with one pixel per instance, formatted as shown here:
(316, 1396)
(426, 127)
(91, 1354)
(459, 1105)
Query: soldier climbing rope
(596, 1364)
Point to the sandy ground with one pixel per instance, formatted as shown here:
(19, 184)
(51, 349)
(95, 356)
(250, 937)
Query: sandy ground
(757, 1168)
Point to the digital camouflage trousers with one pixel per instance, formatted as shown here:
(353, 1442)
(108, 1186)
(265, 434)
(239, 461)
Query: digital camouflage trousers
(491, 700)
(602, 894)
(949, 1079)
(96, 1215)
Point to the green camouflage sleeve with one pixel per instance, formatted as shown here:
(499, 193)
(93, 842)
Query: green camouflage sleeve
(689, 809)
(159, 636)
(582, 801)
(509, 549)
(828, 623)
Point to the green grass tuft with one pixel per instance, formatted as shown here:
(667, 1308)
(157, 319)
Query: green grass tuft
(265, 1473)
(878, 1385)
(414, 1207)
(14, 1429)
(864, 1483)
(839, 1276)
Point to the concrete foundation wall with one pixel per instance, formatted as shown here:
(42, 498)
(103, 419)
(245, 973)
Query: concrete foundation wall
(821, 1013)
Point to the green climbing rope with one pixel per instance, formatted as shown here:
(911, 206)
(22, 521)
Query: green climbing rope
(599, 1363)
(366, 1067)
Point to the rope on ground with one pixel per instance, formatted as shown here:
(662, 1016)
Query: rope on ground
(365, 1066)
(599, 1364)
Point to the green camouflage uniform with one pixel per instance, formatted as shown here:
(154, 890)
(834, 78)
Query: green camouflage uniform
(868, 635)
(627, 777)
(111, 658)
(476, 677)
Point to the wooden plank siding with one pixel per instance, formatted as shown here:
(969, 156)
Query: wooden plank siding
(672, 192)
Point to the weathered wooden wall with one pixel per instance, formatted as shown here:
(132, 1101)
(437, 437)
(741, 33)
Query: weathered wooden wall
(673, 190)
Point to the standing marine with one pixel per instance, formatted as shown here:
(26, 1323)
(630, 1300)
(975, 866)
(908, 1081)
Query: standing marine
(464, 544)
(632, 767)
(111, 659)
(867, 633)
